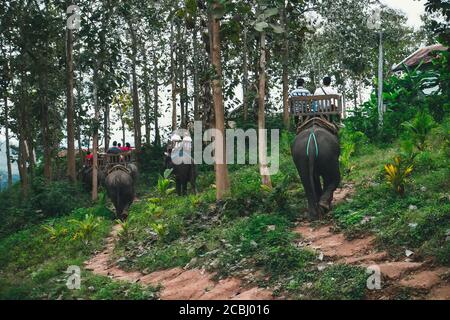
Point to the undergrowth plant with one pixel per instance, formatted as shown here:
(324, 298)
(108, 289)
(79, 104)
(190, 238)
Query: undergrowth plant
(164, 183)
(55, 233)
(418, 129)
(397, 174)
(85, 228)
(124, 232)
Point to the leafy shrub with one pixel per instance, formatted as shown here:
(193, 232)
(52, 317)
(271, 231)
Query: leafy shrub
(85, 228)
(164, 183)
(55, 233)
(352, 143)
(419, 128)
(397, 173)
(46, 200)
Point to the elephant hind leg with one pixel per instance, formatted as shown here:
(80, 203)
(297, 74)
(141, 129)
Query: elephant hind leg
(313, 208)
(178, 187)
(318, 186)
(331, 182)
(184, 187)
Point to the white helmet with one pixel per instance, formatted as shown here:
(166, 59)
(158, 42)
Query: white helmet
(176, 138)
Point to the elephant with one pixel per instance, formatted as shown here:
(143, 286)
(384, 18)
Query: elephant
(316, 152)
(85, 176)
(120, 187)
(184, 172)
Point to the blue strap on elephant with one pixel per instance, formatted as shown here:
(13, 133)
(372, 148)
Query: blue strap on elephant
(312, 135)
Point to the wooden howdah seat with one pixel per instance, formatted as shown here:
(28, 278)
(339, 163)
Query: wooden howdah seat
(120, 158)
(107, 161)
(304, 108)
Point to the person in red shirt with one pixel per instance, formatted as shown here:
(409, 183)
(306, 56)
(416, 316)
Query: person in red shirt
(127, 147)
(122, 148)
(89, 158)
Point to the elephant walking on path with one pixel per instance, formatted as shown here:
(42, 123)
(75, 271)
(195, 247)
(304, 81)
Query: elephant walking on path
(120, 187)
(316, 152)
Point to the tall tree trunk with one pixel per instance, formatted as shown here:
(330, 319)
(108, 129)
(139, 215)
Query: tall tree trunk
(173, 78)
(135, 92)
(195, 70)
(23, 151)
(262, 143)
(22, 125)
(95, 138)
(23, 167)
(180, 70)
(222, 179)
(147, 114)
(106, 122)
(245, 75)
(136, 110)
(146, 100)
(286, 116)
(8, 152)
(123, 132)
(156, 100)
(46, 144)
(186, 93)
(78, 114)
(71, 169)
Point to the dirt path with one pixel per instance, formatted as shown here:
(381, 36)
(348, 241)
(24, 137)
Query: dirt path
(420, 279)
(177, 283)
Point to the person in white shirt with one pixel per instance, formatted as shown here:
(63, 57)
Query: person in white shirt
(326, 89)
(299, 92)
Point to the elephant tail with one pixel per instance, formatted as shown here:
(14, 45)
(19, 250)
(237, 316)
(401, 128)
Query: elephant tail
(312, 155)
(311, 164)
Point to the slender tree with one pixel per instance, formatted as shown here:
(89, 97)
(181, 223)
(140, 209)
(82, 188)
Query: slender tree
(222, 180)
(71, 166)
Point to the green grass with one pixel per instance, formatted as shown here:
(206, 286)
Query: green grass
(33, 262)
(418, 221)
(248, 234)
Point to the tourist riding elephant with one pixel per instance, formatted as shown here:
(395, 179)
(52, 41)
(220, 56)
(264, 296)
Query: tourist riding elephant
(120, 187)
(183, 170)
(316, 153)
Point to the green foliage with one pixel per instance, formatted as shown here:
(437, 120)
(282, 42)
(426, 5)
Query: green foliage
(124, 232)
(419, 220)
(397, 173)
(46, 200)
(55, 233)
(164, 183)
(33, 261)
(352, 142)
(419, 128)
(341, 282)
(85, 228)
(406, 103)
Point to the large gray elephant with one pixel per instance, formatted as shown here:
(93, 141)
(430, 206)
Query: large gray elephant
(85, 176)
(184, 172)
(316, 153)
(120, 187)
